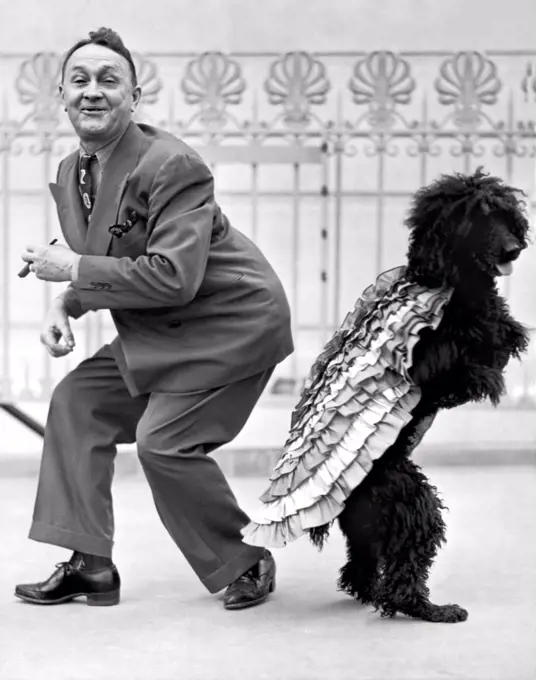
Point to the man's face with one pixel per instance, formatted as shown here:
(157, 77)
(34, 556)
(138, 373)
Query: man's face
(98, 93)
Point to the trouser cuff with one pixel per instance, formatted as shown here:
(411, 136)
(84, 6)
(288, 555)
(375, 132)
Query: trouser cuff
(92, 545)
(229, 572)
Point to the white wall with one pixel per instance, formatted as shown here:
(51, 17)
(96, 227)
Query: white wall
(272, 25)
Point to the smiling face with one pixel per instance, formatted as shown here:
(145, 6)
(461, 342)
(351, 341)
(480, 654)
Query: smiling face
(98, 94)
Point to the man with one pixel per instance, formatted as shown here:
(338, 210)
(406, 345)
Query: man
(202, 320)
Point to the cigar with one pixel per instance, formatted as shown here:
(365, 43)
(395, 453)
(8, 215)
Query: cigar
(26, 269)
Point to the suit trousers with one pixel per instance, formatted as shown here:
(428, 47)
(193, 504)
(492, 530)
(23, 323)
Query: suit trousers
(91, 411)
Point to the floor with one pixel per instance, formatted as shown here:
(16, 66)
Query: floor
(168, 627)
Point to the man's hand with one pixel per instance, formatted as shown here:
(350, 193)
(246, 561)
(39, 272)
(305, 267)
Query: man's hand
(51, 263)
(56, 326)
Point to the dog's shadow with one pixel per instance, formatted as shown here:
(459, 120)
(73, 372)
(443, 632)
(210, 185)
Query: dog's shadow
(345, 608)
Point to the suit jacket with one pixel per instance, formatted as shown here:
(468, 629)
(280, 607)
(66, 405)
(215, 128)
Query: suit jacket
(195, 303)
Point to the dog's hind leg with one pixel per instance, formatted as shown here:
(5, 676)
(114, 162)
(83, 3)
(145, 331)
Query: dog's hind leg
(359, 575)
(415, 533)
(358, 523)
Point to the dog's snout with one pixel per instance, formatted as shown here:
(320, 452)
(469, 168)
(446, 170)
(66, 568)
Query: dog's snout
(511, 247)
(512, 250)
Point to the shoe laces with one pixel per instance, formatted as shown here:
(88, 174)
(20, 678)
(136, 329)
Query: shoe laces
(247, 576)
(246, 580)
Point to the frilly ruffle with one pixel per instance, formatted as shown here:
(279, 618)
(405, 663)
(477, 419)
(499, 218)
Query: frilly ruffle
(356, 399)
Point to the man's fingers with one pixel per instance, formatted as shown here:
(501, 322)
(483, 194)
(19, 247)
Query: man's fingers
(58, 351)
(65, 330)
(54, 348)
(51, 337)
(32, 253)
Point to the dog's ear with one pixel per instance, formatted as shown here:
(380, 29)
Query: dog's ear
(430, 252)
(429, 259)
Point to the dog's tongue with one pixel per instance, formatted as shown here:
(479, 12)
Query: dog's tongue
(506, 268)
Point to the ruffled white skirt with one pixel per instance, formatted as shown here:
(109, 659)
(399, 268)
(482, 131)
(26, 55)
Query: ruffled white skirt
(356, 399)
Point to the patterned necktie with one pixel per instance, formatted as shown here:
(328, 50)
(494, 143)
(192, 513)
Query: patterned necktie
(86, 185)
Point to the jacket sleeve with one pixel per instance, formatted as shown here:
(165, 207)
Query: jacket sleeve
(69, 296)
(180, 216)
(71, 300)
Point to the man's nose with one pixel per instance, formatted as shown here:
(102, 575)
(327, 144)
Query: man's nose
(92, 90)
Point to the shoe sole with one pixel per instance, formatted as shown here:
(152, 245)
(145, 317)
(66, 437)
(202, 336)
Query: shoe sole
(92, 599)
(253, 603)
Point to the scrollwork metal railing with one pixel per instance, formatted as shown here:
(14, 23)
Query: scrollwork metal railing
(315, 155)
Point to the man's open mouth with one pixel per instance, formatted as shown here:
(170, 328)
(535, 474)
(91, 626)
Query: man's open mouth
(92, 110)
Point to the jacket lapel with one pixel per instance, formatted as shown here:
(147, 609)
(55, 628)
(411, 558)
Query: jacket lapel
(112, 186)
(67, 197)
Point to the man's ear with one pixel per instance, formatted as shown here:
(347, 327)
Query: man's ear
(136, 96)
(62, 95)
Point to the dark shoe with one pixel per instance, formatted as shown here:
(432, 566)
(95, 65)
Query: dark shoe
(100, 587)
(254, 586)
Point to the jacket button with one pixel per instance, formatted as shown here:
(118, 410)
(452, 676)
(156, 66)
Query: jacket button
(175, 324)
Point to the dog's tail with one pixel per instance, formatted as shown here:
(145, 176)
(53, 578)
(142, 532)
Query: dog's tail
(319, 535)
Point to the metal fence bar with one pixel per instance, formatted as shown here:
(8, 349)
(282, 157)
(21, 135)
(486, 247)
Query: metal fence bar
(325, 275)
(47, 381)
(295, 250)
(254, 202)
(380, 199)
(5, 384)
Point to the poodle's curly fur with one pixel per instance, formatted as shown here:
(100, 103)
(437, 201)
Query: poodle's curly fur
(464, 230)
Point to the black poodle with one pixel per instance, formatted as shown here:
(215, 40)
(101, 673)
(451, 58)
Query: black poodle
(465, 231)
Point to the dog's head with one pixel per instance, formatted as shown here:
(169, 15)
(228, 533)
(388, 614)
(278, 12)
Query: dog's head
(465, 227)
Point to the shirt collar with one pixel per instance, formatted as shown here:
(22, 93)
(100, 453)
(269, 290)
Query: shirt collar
(105, 152)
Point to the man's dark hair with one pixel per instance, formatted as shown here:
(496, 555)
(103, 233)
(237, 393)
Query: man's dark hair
(107, 38)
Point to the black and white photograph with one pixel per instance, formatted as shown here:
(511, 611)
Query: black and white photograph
(267, 324)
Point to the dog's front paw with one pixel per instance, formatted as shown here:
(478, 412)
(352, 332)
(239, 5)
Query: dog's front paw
(446, 613)
(450, 613)
(425, 610)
